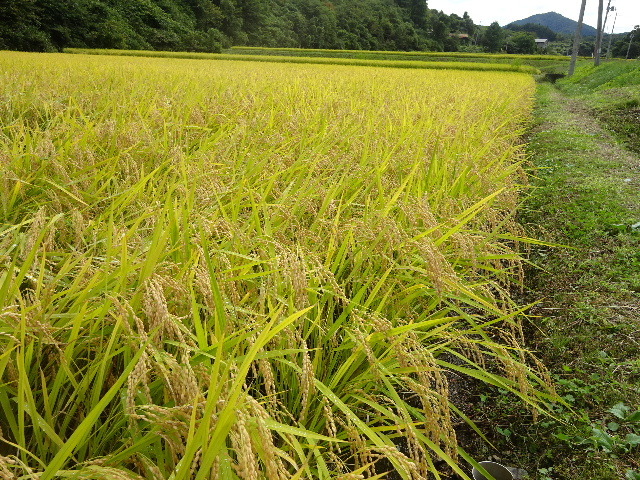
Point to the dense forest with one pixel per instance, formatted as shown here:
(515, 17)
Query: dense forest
(540, 31)
(209, 25)
(212, 25)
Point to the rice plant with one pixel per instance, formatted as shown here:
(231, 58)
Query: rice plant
(239, 270)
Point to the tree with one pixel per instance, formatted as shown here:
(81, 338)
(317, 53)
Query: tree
(522, 43)
(439, 30)
(21, 27)
(416, 10)
(469, 27)
(493, 38)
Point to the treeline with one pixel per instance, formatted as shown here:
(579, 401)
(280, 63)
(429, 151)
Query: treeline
(210, 25)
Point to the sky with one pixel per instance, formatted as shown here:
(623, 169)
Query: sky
(484, 12)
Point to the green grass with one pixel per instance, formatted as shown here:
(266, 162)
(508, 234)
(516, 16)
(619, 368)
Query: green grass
(585, 196)
(611, 74)
(613, 91)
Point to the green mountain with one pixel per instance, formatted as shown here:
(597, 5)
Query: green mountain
(557, 23)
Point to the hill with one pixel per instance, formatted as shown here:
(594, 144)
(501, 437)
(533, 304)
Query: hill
(558, 23)
(210, 25)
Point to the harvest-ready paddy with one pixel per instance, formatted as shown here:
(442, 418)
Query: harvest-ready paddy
(253, 270)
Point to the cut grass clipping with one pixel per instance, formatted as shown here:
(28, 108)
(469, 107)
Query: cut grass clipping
(236, 270)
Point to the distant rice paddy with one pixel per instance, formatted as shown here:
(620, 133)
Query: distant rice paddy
(421, 60)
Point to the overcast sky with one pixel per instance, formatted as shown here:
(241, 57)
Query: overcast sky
(484, 12)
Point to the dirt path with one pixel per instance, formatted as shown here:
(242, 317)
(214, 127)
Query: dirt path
(573, 117)
(594, 169)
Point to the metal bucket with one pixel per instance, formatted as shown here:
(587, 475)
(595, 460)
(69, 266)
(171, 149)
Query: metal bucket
(499, 472)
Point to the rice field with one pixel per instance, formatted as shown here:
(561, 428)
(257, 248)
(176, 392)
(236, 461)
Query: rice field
(241, 270)
(475, 62)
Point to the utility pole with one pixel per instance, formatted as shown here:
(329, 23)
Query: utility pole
(631, 39)
(606, 16)
(576, 39)
(612, 30)
(596, 54)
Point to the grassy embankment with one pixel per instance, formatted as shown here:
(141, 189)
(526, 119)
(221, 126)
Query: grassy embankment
(240, 270)
(613, 93)
(587, 196)
(420, 60)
